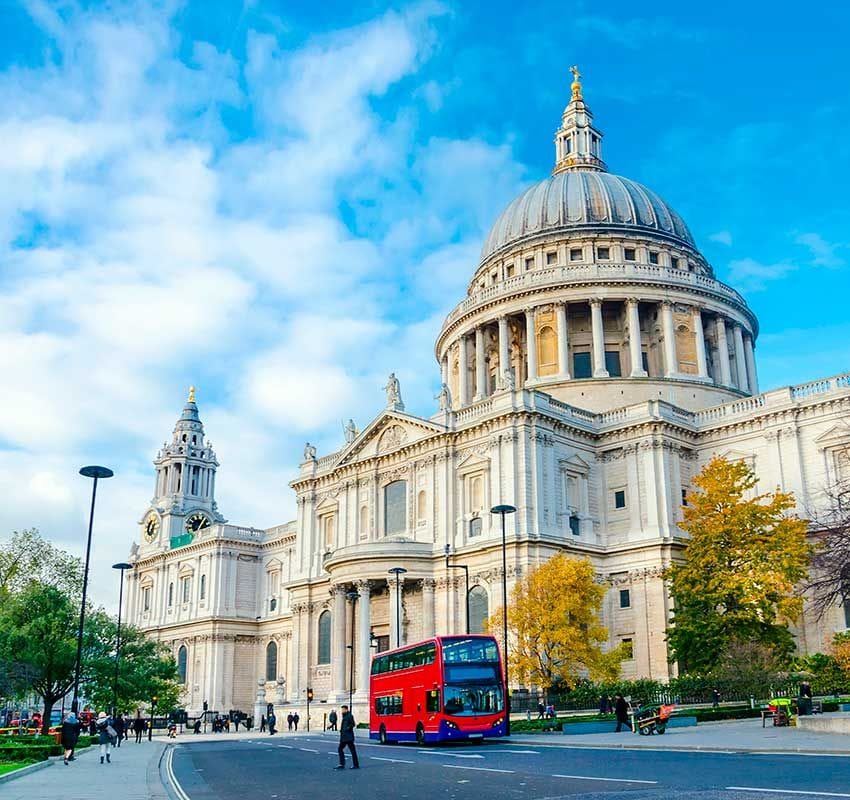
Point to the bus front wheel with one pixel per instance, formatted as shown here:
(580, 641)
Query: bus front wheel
(382, 735)
(420, 734)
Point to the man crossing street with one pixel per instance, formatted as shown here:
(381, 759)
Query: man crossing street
(346, 739)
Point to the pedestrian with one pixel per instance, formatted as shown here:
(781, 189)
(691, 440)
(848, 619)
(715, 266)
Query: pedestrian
(197, 726)
(105, 735)
(70, 732)
(715, 698)
(621, 709)
(603, 705)
(272, 723)
(138, 728)
(289, 721)
(332, 719)
(541, 710)
(236, 722)
(263, 723)
(346, 739)
(127, 725)
(118, 724)
(295, 720)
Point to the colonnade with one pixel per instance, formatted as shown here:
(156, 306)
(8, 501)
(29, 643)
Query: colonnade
(474, 369)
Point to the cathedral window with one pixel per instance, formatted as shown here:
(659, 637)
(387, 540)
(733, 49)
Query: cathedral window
(364, 521)
(653, 257)
(203, 595)
(421, 506)
(328, 524)
(581, 365)
(628, 647)
(170, 595)
(195, 473)
(612, 363)
(575, 525)
(479, 609)
(625, 598)
(178, 472)
(182, 661)
(619, 498)
(475, 489)
(194, 440)
(509, 271)
(395, 507)
(551, 257)
(630, 254)
(547, 347)
(271, 661)
(146, 598)
(324, 656)
(529, 263)
(575, 254)
(674, 262)
(186, 589)
(603, 253)
(847, 613)
(475, 525)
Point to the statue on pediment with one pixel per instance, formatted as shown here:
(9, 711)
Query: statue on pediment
(393, 390)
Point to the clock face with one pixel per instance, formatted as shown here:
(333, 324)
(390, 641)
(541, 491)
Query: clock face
(197, 522)
(151, 526)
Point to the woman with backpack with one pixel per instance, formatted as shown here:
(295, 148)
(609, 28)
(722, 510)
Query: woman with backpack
(105, 736)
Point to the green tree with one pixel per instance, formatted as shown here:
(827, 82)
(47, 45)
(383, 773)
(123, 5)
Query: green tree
(554, 626)
(745, 556)
(28, 557)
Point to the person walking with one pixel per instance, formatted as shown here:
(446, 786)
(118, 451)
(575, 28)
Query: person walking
(263, 723)
(138, 728)
(715, 698)
(332, 719)
(105, 735)
(621, 709)
(70, 733)
(272, 723)
(118, 724)
(346, 739)
(541, 710)
(295, 720)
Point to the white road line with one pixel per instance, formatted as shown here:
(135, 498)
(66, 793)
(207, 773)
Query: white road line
(607, 780)
(308, 750)
(477, 769)
(521, 752)
(394, 760)
(448, 755)
(786, 791)
(169, 771)
(286, 747)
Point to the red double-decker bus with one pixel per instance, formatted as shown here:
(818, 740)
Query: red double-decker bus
(443, 689)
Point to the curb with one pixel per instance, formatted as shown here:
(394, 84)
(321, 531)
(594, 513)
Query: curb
(18, 773)
(791, 751)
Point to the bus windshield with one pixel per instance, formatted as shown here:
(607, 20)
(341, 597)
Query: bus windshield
(470, 650)
(465, 701)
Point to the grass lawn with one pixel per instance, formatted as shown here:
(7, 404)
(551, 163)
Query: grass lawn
(4, 768)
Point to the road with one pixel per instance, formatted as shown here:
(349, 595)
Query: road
(301, 768)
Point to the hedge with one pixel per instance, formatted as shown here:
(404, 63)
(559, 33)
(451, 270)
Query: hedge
(29, 752)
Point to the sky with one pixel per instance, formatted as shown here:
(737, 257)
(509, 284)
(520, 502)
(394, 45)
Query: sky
(280, 202)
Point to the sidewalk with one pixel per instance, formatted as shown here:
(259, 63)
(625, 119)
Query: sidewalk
(745, 735)
(134, 768)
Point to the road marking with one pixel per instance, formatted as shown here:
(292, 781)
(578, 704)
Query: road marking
(786, 791)
(448, 755)
(478, 769)
(169, 771)
(308, 750)
(521, 752)
(394, 760)
(286, 747)
(594, 778)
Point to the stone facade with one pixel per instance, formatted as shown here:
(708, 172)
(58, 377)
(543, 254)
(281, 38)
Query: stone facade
(593, 369)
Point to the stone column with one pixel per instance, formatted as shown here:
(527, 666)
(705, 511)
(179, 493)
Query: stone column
(750, 355)
(563, 342)
(480, 365)
(428, 585)
(504, 349)
(295, 654)
(364, 642)
(635, 351)
(699, 337)
(463, 369)
(599, 370)
(444, 370)
(531, 344)
(671, 365)
(740, 363)
(338, 642)
(723, 352)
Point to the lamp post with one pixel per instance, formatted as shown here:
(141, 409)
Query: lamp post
(97, 473)
(502, 510)
(398, 572)
(465, 569)
(154, 698)
(352, 595)
(122, 566)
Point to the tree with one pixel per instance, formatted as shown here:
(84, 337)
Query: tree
(841, 652)
(555, 628)
(829, 580)
(744, 558)
(28, 557)
(747, 668)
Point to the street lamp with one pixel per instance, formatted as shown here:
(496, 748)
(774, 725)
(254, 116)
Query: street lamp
(153, 709)
(398, 572)
(122, 566)
(352, 595)
(97, 473)
(502, 510)
(465, 569)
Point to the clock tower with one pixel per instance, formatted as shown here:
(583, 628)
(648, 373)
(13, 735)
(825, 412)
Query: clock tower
(183, 504)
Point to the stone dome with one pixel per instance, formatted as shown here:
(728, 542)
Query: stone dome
(583, 200)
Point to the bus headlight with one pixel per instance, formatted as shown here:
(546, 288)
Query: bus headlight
(498, 722)
(450, 724)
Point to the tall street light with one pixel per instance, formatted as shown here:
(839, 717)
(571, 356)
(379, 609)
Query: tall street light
(97, 473)
(465, 569)
(398, 572)
(353, 596)
(502, 511)
(122, 566)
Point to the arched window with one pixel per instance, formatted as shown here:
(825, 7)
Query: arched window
(324, 638)
(395, 507)
(421, 505)
(476, 493)
(182, 658)
(475, 526)
(364, 520)
(479, 609)
(203, 587)
(170, 594)
(548, 346)
(271, 661)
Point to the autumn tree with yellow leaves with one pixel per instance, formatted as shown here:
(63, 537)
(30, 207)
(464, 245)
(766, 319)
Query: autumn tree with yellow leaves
(554, 626)
(746, 554)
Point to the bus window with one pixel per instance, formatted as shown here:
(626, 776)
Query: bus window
(432, 700)
(388, 705)
(470, 700)
(465, 650)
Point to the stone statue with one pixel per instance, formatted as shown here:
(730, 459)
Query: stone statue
(508, 380)
(350, 431)
(393, 390)
(445, 398)
(309, 452)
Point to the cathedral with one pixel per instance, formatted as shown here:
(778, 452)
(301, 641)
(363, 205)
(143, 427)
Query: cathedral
(595, 365)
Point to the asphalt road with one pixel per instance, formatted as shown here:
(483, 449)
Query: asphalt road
(301, 768)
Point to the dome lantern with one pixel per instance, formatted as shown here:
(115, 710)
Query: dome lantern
(578, 145)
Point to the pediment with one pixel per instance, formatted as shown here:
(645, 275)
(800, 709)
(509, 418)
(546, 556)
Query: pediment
(836, 436)
(473, 460)
(737, 455)
(274, 565)
(575, 463)
(389, 432)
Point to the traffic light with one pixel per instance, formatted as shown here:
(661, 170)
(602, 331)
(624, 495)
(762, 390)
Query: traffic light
(309, 694)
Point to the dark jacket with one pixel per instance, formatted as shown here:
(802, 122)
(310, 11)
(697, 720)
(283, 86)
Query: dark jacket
(138, 724)
(346, 727)
(103, 736)
(621, 709)
(70, 734)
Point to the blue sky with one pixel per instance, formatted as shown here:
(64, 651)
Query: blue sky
(279, 202)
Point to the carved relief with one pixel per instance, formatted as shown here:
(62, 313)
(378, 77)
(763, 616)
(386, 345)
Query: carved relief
(392, 438)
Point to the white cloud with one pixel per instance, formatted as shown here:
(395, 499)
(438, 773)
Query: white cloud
(823, 253)
(751, 275)
(723, 237)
